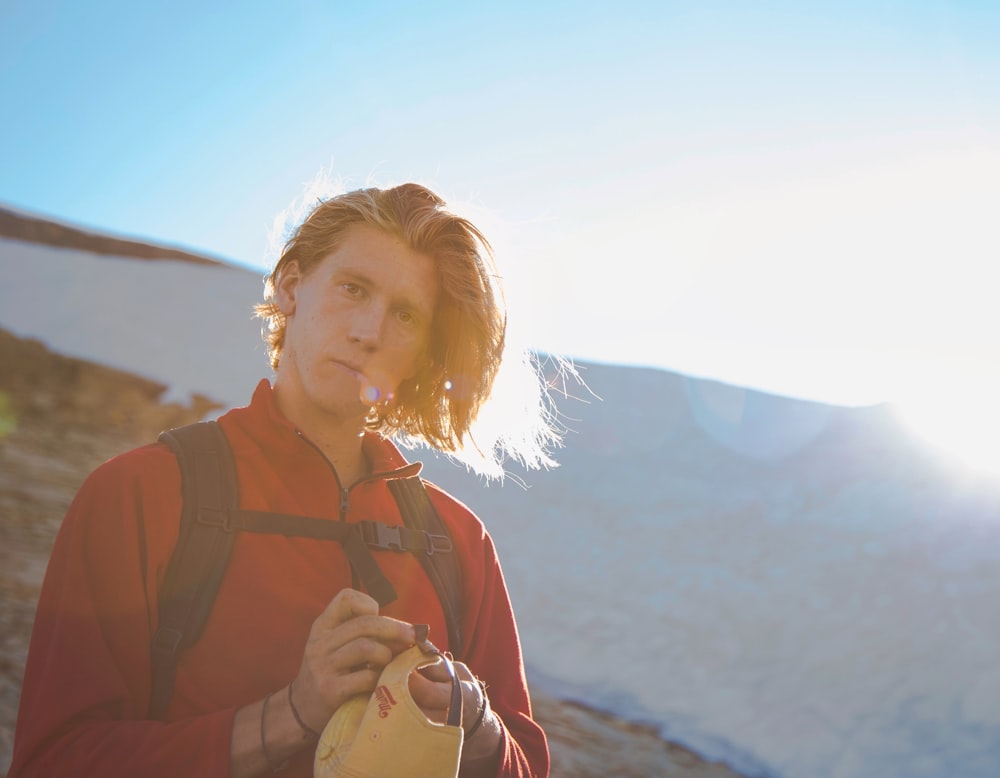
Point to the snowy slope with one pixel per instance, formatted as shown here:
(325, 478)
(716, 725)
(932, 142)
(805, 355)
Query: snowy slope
(186, 325)
(791, 586)
(820, 606)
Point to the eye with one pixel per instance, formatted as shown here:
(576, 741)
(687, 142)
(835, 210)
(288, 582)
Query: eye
(352, 290)
(406, 317)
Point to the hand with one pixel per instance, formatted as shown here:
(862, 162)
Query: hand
(430, 688)
(348, 647)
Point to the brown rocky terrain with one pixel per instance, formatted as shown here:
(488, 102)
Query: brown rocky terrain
(61, 417)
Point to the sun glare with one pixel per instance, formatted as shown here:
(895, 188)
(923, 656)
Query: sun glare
(962, 423)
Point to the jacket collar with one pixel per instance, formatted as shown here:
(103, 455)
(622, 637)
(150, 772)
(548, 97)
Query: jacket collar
(272, 430)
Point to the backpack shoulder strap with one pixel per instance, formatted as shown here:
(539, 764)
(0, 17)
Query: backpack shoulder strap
(442, 564)
(198, 564)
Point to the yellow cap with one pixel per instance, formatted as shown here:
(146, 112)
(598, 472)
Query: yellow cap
(386, 735)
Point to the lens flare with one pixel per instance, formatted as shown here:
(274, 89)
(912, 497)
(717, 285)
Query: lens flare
(962, 422)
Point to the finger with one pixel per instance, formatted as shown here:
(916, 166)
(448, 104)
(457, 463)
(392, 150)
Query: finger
(463, 672)
(473, 694)
(346, 605)
(397, 635)
(337, 688)
(429, 694)
(364, 653)
(436, 672)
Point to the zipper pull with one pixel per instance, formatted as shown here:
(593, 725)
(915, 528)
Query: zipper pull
(344, 503)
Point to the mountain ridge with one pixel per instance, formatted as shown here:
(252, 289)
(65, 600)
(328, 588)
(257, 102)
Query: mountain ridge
(18, 225)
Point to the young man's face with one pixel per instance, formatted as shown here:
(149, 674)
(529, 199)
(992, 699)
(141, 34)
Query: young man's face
(356, 326)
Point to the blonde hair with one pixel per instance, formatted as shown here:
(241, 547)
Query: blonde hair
(438, 405)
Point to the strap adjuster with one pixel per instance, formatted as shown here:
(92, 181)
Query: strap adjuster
(213, 517)
(438, 544)
(167, 641)
(381, 536)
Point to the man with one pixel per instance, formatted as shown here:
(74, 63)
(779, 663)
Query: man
(382, 321)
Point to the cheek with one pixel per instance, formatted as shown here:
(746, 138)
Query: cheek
(402, 364)
(300, 335)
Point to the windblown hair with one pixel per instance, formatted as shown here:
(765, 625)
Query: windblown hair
(439, 404)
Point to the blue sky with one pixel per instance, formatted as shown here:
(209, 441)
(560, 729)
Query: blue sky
(798, 197)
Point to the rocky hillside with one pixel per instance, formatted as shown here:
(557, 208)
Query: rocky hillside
(61, 417)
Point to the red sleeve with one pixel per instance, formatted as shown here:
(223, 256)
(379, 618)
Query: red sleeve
(493, 653)
(86, 683)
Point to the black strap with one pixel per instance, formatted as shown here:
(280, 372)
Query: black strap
(456, 703)
(419, 513)
(374, 534)
(196, 569)
(357, 539)
(211, 517)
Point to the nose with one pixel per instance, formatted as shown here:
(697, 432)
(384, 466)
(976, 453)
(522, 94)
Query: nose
(367, 326)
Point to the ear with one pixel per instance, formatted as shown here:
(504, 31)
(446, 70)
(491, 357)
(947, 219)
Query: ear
(287, 288)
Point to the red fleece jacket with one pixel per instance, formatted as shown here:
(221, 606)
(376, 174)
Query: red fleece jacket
(87, 680)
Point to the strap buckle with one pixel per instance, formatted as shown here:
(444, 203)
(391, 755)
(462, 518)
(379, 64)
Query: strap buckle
(381, 536)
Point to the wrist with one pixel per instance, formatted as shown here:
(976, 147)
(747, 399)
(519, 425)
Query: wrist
(308, 733)
(266, 736)
(483, 732)
(275, 766)
(482, 755)
(263, 736)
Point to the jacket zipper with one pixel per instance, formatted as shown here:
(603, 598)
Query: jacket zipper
(345, 491)
(345, 501)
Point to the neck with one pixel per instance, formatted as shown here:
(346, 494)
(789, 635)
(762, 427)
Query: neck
(338, 436)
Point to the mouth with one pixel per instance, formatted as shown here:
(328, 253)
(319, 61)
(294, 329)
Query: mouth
(369, 393)
(348, 367)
